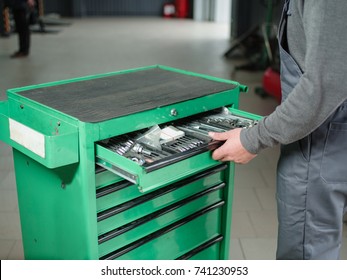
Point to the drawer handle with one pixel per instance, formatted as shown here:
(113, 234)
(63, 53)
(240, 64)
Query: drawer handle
(202, 247)
(113, 188)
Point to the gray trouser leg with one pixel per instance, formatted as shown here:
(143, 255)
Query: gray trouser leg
(310, 209)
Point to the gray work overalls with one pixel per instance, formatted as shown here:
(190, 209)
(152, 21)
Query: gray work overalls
(311, 178)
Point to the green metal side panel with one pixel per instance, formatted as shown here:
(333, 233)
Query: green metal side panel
(57, 212)
(226, 215)
(4, 128)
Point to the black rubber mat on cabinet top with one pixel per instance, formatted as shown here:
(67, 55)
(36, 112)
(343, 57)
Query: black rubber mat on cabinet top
(99, 99)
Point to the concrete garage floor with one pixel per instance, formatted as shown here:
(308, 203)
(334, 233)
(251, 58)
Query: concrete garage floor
(99, 45)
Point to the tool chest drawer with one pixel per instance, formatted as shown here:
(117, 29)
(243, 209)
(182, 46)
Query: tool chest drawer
(124, 195)
(151, 157)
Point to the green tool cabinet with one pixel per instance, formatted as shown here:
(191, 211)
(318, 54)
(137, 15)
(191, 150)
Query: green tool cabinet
(79, 199)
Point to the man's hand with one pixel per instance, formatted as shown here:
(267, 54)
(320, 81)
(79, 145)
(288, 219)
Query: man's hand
(232, 149)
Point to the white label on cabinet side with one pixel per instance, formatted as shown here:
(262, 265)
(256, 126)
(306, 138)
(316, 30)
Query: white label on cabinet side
(27, 137)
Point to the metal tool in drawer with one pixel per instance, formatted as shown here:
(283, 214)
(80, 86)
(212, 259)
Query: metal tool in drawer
(157, 147)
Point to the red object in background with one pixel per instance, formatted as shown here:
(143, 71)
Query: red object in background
(181, 8)
(272, 83)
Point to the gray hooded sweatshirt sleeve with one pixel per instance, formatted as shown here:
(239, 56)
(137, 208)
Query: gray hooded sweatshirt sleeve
(317, 40)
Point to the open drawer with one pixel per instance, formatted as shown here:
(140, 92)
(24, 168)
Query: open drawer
(157, 156)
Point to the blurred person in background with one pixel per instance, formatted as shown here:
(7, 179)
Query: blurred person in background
(21, 10)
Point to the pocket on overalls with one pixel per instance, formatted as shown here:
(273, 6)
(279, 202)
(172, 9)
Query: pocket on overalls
(294, 160)
(334, 161)
(292, 179)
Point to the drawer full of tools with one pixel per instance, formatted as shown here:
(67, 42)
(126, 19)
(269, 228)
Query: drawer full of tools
(160, 153)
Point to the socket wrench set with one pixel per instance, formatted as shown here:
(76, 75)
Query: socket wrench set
(162, 145)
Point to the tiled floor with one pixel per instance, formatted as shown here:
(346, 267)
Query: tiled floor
(99, 45)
